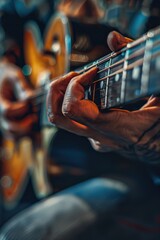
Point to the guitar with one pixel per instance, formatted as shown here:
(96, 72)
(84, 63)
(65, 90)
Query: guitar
(127, 75)
(123, 77)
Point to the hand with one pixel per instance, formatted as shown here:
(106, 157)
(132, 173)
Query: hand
(134, 134)
(14, 106)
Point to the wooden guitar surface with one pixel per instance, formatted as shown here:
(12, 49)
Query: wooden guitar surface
(16, 161)
(21, 161)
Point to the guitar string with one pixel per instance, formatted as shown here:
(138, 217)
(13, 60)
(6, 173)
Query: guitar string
(133, 55)
(130, 66)
(138, 53)
(104, 97)
(129, 46)
(41, 95)
(42, 91)
(108, 57)
(149, 35)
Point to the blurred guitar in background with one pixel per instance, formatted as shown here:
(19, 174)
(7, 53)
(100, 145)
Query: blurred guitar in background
(67, 44)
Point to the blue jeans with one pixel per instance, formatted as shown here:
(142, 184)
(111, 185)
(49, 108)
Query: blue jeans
(121, 206)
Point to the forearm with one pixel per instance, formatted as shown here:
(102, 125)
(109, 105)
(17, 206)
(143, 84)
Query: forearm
(149, 152)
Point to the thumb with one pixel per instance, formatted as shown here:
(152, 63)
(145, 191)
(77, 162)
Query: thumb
(117, 41)
(152, 102)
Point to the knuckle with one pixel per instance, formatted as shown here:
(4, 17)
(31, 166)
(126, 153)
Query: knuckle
(74, 80)
(72, 75)
(53, 86)
(52, 118)
(68, 109)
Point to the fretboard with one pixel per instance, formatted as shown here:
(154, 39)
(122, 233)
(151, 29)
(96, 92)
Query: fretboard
(129, 74)
(123, 76)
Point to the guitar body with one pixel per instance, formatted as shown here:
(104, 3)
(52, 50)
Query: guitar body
(21, 160)
(24, 158)
(74, 43)
(16, 161)
(40, 65)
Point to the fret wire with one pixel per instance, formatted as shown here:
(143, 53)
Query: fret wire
(123, 82)
(153, 32)
(148, 35)
(129, 67)
(140, 51)
(107, 83)
(141, 94)
(113, 65)
(98, 89)
(96, 64)
(108, 57)
(94, 91)
(130, 91)
(114, 54)
(146, 68)
(103, 98)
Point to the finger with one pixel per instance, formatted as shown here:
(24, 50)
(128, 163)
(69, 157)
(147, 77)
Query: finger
(75, 106)
(54, 107)
(152, 101)
(116, 41)
(56, 93)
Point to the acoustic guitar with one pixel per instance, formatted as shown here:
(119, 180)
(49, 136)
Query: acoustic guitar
(123, 77)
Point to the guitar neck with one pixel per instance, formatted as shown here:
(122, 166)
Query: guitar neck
(123, 76)
(127, 75)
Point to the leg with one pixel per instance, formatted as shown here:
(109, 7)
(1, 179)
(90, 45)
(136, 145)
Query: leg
(90, 210)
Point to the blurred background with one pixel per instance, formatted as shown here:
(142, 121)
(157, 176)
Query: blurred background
(39, 41)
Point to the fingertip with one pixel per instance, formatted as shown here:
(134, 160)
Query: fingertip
(88, 76)
(94, 69)
(91, 71)
(72, 74)
(116, 41)
(112, 40)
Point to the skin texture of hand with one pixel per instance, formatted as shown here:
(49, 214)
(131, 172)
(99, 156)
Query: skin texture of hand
(14, 107)
(135, 134)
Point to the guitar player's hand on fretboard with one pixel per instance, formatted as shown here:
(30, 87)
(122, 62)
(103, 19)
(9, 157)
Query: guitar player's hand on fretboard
(134, 134)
